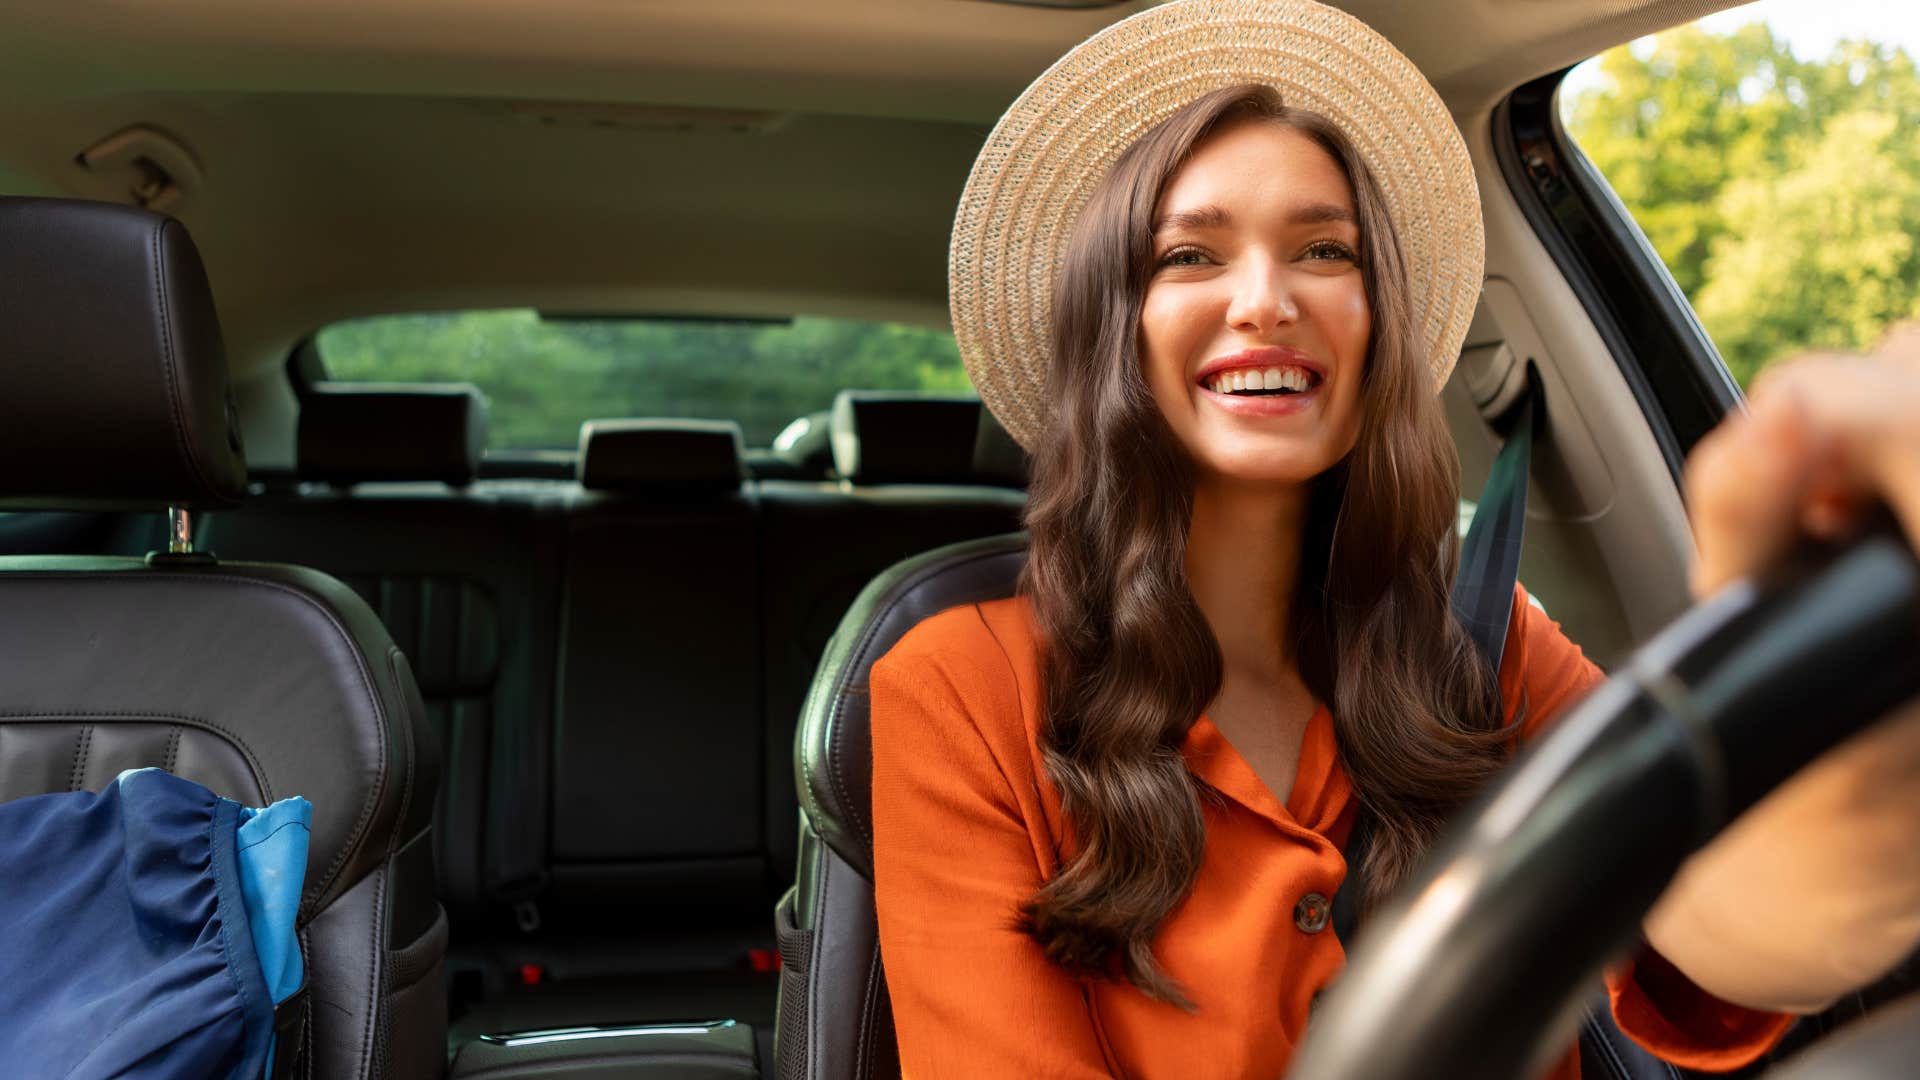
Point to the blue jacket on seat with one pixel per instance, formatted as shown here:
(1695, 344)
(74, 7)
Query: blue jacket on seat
(146, 931)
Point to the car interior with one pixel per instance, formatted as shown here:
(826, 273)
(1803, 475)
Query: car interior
(607, 707)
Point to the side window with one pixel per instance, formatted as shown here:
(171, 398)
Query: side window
(1771, 154)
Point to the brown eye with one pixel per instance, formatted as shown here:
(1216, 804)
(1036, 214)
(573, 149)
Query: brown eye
(1330, 250)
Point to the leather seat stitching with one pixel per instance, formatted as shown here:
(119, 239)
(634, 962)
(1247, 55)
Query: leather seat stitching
(79, 769)
(814, 1018)
(358, 832)
(376, 999)
(180, 436)
(869, 1021)
(240, 744)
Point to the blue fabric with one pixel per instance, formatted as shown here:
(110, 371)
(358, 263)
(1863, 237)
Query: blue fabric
(273, 867)
(127, 951)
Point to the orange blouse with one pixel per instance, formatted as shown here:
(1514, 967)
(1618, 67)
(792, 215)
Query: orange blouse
(967, 826)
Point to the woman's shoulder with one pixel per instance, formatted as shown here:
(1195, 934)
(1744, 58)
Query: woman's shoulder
(986, 637)
(1542, 670)
(980, 658)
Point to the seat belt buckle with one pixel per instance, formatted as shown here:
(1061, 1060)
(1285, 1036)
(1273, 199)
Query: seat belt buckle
(526, 915)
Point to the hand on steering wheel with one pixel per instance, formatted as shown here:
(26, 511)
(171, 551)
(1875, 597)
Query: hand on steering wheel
(1815, 891)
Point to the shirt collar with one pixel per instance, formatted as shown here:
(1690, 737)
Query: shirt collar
(1320, 792)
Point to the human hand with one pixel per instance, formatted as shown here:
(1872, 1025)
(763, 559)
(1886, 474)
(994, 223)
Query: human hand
(1825, 437)
(1815, 891)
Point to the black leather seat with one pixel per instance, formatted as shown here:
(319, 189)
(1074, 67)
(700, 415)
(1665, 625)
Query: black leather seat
(834, 1017)
(463, 577)
(917, 472)
(835, 1021)
(259, 681)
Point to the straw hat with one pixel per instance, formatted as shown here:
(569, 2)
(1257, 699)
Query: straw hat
(1057, 141)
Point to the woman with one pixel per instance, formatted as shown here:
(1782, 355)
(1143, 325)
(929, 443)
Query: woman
(1109, 814)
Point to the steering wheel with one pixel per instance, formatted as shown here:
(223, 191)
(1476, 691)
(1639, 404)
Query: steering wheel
(1483, 966)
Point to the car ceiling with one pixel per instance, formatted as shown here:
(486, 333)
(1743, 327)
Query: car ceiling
(696, 156)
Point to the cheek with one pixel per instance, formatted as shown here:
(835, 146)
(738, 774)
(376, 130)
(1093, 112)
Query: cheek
(1353, 321)
(1162, 351)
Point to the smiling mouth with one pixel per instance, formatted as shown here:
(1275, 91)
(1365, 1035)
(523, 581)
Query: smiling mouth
(1279, 381)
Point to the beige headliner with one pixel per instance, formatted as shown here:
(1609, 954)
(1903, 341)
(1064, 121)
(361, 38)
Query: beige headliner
(373, 155)
(367, 155)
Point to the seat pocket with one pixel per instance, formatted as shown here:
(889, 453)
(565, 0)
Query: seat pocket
(796, 953)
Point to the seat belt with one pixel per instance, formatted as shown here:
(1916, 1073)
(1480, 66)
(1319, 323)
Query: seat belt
(1482, 600)
(1482, 595)
(1490, 554)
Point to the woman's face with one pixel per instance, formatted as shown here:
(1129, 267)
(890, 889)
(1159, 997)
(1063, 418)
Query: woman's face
(1255, 324)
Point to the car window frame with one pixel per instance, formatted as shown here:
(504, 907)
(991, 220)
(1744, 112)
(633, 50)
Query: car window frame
(1672, 367)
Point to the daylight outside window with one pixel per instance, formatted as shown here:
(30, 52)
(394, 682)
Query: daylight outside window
(544, 375)
(1771, 154)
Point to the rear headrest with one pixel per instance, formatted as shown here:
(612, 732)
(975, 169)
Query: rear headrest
(113, 378)
(892, 438)
(661, 456)
(354, 432)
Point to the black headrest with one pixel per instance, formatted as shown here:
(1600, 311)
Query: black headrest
(893, 438)
(113, 378)
(354, 432)
(661, 456)
(834, 754)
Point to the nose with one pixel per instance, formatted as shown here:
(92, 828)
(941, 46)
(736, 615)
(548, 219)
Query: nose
(1262, 299)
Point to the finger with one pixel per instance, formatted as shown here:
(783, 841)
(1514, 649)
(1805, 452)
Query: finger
(1745, 487)
(1864, 442)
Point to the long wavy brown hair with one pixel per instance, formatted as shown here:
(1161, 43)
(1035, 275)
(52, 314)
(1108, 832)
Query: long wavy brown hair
(1129, 662)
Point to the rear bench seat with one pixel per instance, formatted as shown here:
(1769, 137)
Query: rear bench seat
(616, 666)
(464, 576)
(656, 767)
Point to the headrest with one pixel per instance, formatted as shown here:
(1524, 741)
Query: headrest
(115, 378)
(893, 438)
(661, 456)
(354, 432)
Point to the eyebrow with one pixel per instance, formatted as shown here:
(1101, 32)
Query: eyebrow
(1215, 217)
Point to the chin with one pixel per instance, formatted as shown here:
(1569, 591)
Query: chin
(1268, 466)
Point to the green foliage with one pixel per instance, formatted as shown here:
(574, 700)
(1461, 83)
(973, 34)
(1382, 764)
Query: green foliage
(1783, 194)
(544, 377)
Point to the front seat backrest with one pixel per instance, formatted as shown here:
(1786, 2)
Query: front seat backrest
(255, 680)
(835, 1021)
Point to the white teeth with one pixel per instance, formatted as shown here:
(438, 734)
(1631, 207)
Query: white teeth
(1268, 379)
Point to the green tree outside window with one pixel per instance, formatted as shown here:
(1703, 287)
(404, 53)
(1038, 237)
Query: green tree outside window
(1784, 195)
(544, 376)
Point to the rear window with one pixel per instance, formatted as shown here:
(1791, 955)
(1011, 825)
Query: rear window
(543, 375)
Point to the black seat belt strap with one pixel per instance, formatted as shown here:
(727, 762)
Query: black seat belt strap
(1490, 554)
(1482, 594)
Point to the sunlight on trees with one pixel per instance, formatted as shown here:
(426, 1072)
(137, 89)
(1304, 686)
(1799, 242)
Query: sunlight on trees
(1784, 195)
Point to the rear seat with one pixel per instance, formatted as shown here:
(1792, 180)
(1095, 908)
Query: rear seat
(656, 768)
(916, 473)
(616, 666)
(464, 577)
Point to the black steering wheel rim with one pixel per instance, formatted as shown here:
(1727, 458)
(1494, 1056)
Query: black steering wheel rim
(1479, 969)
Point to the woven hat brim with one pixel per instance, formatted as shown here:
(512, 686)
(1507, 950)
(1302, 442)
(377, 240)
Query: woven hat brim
(1058, 140)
